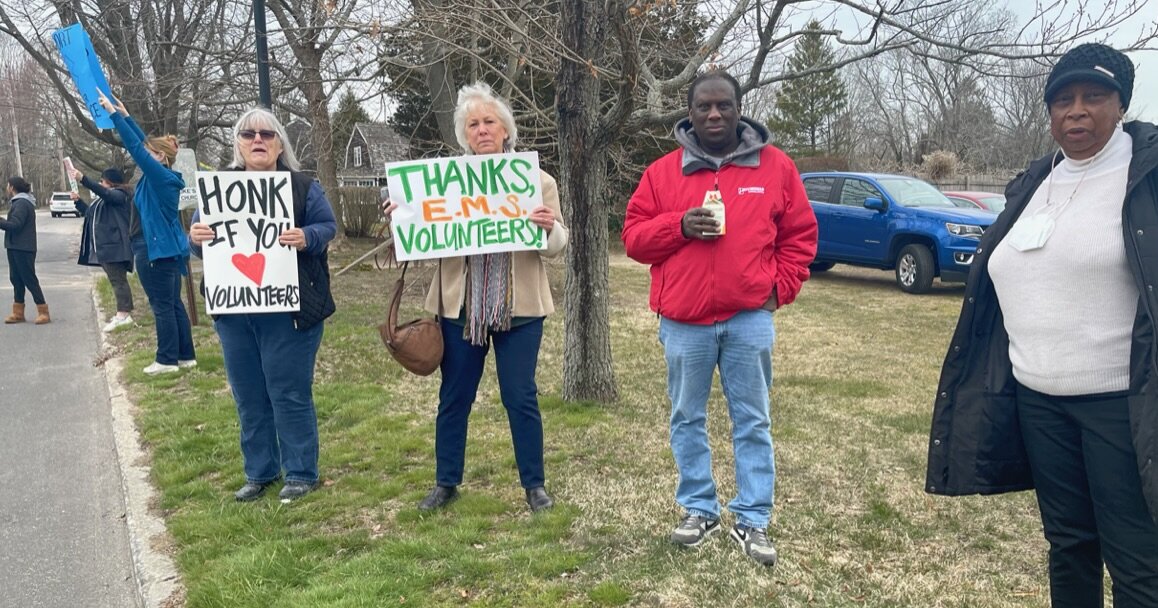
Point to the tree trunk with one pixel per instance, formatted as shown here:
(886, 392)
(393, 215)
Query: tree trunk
(587, 370)
(438, 77)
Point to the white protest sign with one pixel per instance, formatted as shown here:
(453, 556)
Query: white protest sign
(465, 205)
(246, 269)
(68, 169)
(186, 165)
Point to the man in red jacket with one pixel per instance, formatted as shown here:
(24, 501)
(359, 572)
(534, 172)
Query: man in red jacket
(728, 231)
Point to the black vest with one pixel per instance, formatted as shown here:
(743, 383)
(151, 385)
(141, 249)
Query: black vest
(316, 303)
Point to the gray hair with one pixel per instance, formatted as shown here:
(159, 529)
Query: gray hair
(475, 96)
(261, 118)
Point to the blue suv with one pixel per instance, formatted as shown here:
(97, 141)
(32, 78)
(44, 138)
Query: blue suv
(893, 222)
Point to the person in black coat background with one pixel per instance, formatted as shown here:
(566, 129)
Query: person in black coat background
(20, 241)
(109, 224)
(1049, 382)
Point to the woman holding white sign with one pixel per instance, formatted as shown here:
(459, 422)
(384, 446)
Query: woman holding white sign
(270, 356)
(160, 249)
(499, 299)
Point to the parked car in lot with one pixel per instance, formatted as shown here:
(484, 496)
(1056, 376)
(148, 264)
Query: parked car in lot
(893, 222)
(61, 203)
(989, 201)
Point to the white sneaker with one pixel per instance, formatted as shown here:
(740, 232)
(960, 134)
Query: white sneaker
(160, 368)
(185, 363)
(116, 322)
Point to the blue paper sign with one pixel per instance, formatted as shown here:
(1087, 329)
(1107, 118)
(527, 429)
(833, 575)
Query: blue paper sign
(85, 68)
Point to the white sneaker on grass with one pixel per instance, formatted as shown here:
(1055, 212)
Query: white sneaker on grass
(116, 322)
(185, 363)
(694, 529)
(160, 368)
(755, 544)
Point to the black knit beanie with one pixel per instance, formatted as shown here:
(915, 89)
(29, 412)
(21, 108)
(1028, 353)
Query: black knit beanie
(1093, 62)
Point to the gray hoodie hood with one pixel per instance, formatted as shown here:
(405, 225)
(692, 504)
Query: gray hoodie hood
(26, 196)
(753, 137)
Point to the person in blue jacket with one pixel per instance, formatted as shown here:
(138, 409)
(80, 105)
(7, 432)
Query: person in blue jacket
(161, 250)
(269, 357)
(105, 239)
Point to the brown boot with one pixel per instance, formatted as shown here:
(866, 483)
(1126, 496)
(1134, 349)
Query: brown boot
(17, 315)
(42, 314)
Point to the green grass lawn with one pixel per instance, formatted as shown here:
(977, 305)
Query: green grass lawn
(856, 364)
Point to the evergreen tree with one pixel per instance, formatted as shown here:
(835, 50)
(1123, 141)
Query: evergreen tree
(349, 113)
(807, 107)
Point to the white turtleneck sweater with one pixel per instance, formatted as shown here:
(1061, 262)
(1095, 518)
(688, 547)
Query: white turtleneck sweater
(1069, 306)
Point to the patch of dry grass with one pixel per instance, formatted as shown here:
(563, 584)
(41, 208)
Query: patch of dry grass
(856, 363)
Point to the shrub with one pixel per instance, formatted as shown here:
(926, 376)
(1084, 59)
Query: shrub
(940, 165)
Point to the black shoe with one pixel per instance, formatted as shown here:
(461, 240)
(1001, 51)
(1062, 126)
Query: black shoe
(539, 500)
(438, 498)
(294, 490)
(252, 491)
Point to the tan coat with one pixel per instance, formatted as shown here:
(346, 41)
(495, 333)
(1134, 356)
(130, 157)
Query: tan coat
(532, 293)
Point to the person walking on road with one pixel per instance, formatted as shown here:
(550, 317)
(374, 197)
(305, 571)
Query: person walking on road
(20, 241)
(109, 223)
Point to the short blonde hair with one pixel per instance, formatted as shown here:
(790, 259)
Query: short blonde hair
(478, 95)
(261, 118)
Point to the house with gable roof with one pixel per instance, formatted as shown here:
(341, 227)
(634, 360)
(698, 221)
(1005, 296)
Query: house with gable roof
(371, 146)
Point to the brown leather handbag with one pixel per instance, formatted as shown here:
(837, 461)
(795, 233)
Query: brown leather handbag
(417, 345)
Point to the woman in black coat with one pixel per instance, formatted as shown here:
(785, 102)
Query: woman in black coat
(109, 224)
(1049, 379)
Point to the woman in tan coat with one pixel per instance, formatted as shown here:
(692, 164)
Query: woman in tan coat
(497, 299)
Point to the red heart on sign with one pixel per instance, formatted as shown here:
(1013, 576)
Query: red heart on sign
(252, 266)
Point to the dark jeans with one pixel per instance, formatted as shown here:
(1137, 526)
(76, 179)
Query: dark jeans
(161, 280)
(516, 357)
(1090, 495)
(22, 273)
(270, 366)
(117, 272)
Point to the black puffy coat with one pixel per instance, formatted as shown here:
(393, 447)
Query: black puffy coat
(107, 226)
(975, 445)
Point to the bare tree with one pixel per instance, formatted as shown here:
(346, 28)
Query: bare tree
(610, 87)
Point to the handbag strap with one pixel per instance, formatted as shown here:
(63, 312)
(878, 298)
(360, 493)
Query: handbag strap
(395, 302)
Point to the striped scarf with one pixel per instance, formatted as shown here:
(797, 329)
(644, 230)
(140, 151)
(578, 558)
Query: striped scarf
(489, 296)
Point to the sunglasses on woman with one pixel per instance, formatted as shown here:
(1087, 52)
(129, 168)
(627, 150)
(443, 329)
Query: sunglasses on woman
(249, 134)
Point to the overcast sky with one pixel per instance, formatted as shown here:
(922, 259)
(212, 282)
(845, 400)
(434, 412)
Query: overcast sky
(1144, 103)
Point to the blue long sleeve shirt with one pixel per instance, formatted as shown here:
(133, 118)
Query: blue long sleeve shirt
(156, 197)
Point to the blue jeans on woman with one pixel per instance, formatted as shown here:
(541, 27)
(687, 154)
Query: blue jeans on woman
(161, 280)
(270, 365)
(742, 348)
(516, 357)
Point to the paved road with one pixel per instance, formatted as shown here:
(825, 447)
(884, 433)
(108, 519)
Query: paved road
(63, 537)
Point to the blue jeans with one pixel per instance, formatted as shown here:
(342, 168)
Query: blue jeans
(270, 366)
(516, 357)
(742, 348)
(161, 280)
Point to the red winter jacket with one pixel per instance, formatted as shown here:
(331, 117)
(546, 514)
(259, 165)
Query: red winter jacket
(769, 240)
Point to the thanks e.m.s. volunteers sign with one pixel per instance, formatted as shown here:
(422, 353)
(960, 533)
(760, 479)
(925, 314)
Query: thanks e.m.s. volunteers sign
(246, 269)
(465, 205)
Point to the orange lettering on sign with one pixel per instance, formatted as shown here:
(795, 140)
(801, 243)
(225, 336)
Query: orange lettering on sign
(479, 203)
(434, 206)
(512, 209)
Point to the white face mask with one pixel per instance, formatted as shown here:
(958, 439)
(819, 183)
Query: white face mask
(1029, 233)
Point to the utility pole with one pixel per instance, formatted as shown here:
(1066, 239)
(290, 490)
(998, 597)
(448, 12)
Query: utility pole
(263, 92)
